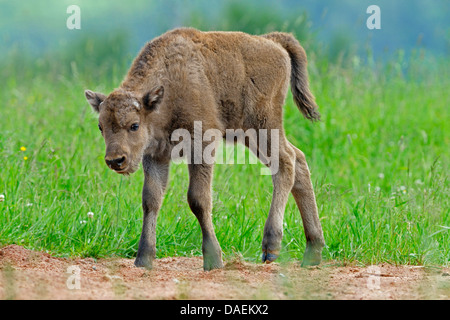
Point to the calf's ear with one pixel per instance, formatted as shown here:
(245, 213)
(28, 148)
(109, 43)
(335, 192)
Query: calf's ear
(152, 99)
(94, 99)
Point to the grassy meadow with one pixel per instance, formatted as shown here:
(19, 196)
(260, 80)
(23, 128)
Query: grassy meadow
(379, 161)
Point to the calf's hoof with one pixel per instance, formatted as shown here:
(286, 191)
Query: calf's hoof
(268, 257)
(212, 261)
(212, 255)
(313, 255)
(143, 262)
(211, 265)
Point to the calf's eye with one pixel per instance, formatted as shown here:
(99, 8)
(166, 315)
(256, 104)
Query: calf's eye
(100, 128)
(134, 127)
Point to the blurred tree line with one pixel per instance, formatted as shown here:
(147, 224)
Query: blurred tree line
(34, 38)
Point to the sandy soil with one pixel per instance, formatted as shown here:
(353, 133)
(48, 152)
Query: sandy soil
(26, 274)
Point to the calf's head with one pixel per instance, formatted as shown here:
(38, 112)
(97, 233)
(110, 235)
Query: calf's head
(124, 123)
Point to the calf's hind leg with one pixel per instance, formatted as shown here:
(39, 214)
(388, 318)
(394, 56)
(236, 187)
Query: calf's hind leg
(283, 181)
(200, 202)
(304, 197)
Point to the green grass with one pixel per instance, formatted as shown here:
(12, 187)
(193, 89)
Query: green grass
(379, 160)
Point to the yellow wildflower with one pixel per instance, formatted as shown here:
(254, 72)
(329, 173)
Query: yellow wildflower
(23, 148)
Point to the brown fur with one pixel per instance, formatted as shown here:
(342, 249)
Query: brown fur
(226, 80)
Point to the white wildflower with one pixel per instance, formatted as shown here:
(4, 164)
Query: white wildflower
(90, 214)
(2, 197)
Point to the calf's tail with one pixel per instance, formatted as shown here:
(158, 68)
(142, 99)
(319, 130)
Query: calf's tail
(303, 97)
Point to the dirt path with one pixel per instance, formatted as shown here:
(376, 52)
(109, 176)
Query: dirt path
(26, 274)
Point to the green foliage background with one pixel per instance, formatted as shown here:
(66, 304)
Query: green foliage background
(379, 157)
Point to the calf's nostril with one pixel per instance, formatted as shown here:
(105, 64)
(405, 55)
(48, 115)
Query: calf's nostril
(115, 163)
(120, 161)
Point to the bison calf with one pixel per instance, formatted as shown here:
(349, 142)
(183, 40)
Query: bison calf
(226, 80)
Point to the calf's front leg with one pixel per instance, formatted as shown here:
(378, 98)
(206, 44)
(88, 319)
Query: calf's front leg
(156, 173)
(200, 202)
